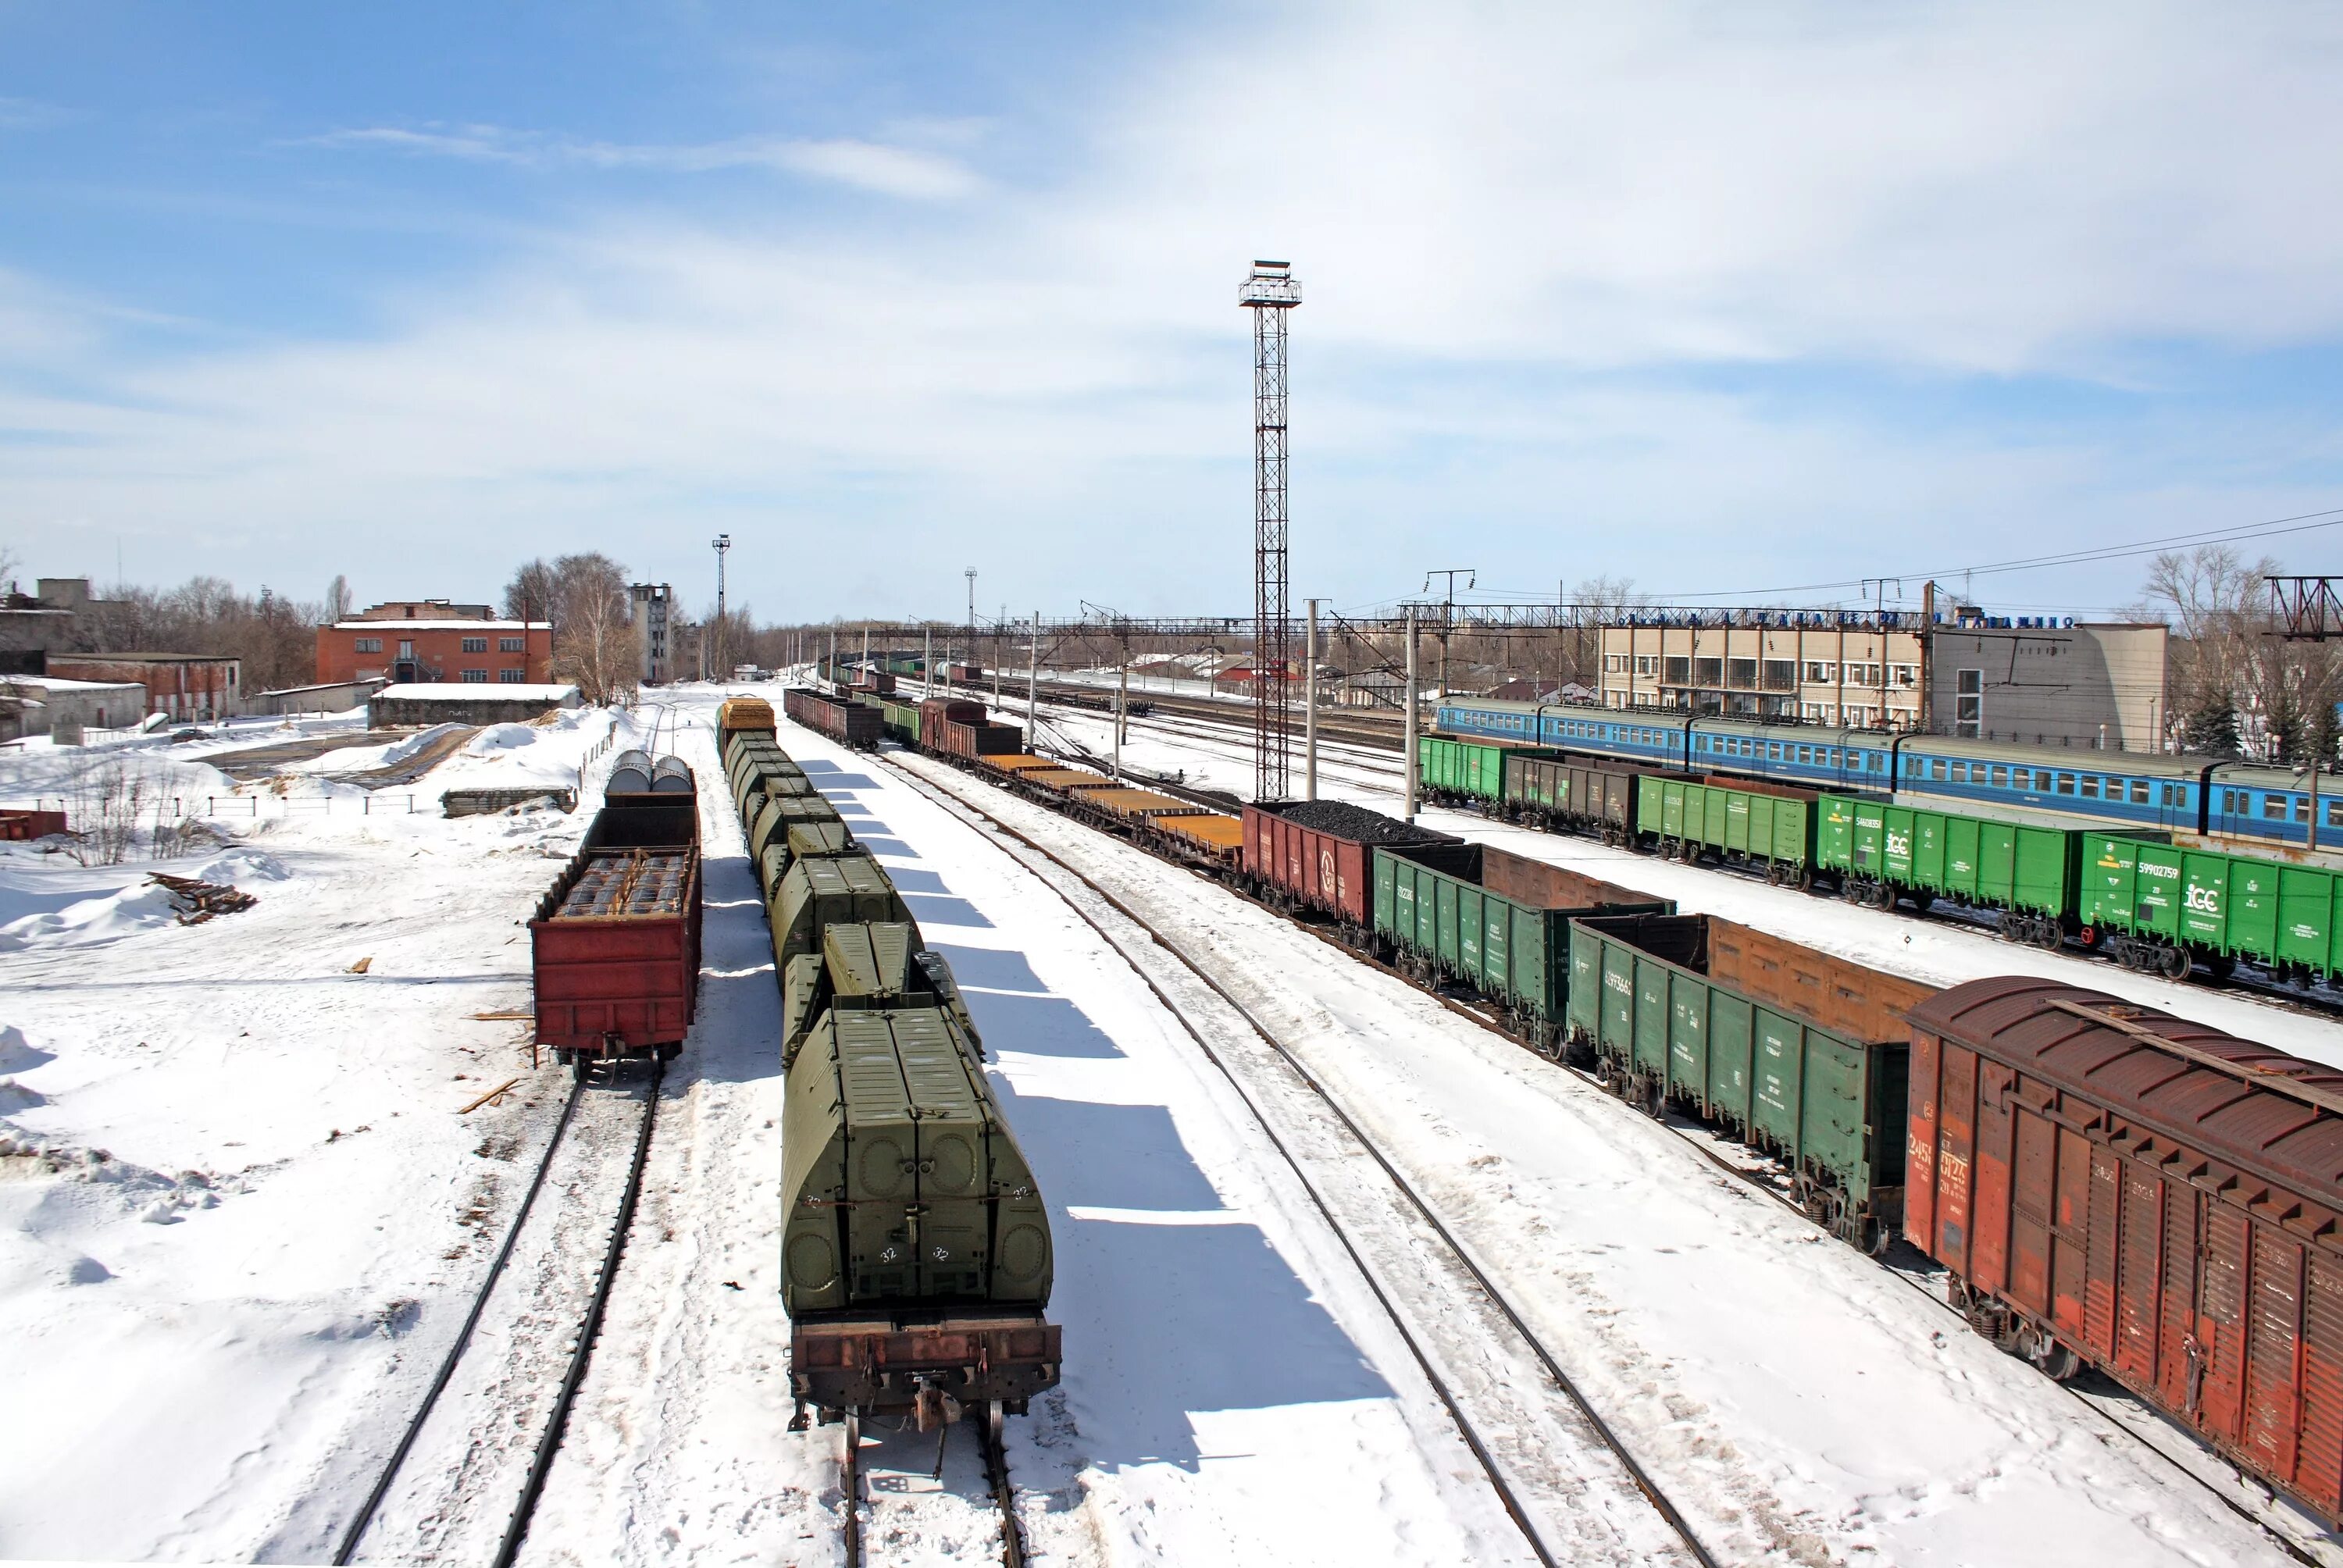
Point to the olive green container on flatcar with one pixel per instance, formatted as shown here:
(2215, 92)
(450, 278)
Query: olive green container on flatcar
(779, 814)
(1776, 831)
(904, 1185)
(804, 840)
(1829, 1107)
(2165, 906)
(1438, 919)
(2035, 873)
(760, 777)
(817, 893)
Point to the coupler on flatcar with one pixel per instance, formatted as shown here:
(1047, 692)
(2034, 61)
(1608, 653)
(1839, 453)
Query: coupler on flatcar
(923, 1364)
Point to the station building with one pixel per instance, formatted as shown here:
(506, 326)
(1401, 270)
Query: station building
(420, 641)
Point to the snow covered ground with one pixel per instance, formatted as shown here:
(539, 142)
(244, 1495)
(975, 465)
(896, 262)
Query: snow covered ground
(1799, 1399)
(239, 1211)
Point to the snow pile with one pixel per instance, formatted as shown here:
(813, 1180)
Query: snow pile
(141, 906)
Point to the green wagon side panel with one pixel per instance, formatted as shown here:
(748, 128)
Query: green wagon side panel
(1834, 834)
(1651, 1025)
(1963, 871)
(1617, 1035)
(2047, 860)
(1386, 881)
(1651, 805)
(1688, 1037)
(1585, 1004)
(1779, 1059)
(1835, 1109)
(1732, 1066)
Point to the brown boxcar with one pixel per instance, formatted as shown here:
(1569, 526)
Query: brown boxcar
(1318, 855)
(2113, 1185)
(615, 944)
(839, 718)
(938, 711)
(1583, 794)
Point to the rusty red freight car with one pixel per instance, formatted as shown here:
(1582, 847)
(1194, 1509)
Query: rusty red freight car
(1318, 854)
(842, 718)
(2112, 1185)
(616, 942)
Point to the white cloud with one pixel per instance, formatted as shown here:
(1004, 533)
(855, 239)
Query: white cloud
(1514, 226)
(898, 171)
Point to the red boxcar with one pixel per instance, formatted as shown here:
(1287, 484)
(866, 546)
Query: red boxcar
(839, 718)
(2113, 1185)
(616, 942)
(1318, 854)
(938, 711)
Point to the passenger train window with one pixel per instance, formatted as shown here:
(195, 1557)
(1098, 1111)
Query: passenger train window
(2335, 813)
(2139, 792)
(2091, 788)
(2066, 783)
(2000, 777)
(2228, 802)
(2302, 808)
(2274, 807)
(1936, 769)
(1960, 773)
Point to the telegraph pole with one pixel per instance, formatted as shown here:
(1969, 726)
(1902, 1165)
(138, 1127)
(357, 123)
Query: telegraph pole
(721, 543)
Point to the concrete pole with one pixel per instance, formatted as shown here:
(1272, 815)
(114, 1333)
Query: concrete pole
(927, 664)
(1407, 739)
(1122, 707)
(833, 654)
(1033, 677)
(1309, 707)
(866, 647)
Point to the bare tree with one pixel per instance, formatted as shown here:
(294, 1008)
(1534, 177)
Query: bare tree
(2231, 675)
(273, 636)
(338, 599)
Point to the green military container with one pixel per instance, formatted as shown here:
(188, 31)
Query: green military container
(762, 776)
(1465, 772)
(1684, 816)
(1439, 922)
(1663, 1033)
(817, 894)
(779, 814)
(903, 1187)
(864, 965)
(2164, 906)
(1881, 852)
(818, 840)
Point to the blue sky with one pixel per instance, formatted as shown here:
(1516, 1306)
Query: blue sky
(1715, 297)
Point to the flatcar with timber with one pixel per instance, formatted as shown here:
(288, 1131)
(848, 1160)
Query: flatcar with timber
(615, 943)
(2112, 1186)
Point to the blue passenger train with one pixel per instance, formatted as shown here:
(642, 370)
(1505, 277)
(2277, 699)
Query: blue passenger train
(2244, 802)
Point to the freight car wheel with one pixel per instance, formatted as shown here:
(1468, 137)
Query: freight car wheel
(2050, 938)
(2176, 963)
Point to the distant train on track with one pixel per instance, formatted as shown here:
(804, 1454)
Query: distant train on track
(2108, 1185)
(2255, 806)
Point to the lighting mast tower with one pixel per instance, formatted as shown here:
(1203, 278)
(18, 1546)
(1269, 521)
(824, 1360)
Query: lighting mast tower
(720, 543)
(1269, 292)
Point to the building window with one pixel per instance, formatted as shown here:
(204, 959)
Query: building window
(512, 676)
(475, 645)
(1676, 669)
(1781, 675)
(512, 645)
(478, 675)
(368, 645)
(1905, 674)
(1709, 672)
(1741, 674)
(1968, 705)
(405, 648)
(1646, 664)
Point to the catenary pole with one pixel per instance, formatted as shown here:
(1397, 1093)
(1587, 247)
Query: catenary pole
(1309, 707)
(1407, 741)
(1033, 678)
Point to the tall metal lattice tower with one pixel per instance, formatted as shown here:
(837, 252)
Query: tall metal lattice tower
(1269, 292)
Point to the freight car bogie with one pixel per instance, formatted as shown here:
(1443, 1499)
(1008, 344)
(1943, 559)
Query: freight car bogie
(2014, 1332)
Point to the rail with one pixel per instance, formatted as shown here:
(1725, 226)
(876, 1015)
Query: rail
(1473, 1438)
(1754, 1179)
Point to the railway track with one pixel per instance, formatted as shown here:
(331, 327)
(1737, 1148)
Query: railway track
(2294, 1535)
(1493, 1422)
(997, 1485)
(542, 1325)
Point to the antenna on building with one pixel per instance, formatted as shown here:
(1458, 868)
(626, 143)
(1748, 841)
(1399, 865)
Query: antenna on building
(1269, 292)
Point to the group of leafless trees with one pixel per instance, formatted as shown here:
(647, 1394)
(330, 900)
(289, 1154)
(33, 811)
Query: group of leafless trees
(276, 636)
(2238, 687)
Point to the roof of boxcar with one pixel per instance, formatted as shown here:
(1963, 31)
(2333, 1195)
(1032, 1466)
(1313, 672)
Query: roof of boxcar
(2217, 1095)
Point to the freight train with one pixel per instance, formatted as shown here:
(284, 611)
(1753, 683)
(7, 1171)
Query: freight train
(2106, 1184)
(2129, 894)
(2254, 806)
(916, 1258)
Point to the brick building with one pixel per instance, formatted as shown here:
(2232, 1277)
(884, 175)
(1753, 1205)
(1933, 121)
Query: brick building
(186, 686)
(434, 645)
